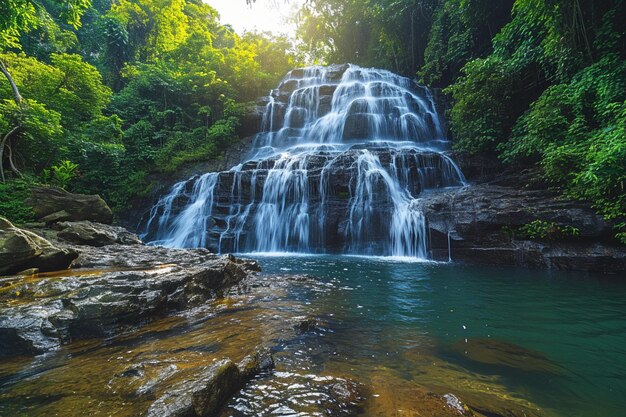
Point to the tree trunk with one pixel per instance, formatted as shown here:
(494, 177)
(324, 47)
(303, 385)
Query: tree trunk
(3, 144)
(12, 163)
(16, 93)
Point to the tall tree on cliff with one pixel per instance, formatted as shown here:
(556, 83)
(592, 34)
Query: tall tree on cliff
(16, 18)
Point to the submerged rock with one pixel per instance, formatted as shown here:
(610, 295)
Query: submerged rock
(52, 204)
(298, 394)
(21, 250)
(501, 353)
(307, 325)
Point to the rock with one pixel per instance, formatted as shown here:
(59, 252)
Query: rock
(300, 394)
(455, 404)
(338, 170)
(206, 395)
(345, 393)
(21, 249)
(252, 120)
(28, 272)
(95, 234)
(39, 315)
(253, 365)
(358, 126)
(480, 221)
(53, 204)
(201, 397)
(501, 353)
(307, 325)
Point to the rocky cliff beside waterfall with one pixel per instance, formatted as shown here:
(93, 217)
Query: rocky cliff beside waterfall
(350, 160)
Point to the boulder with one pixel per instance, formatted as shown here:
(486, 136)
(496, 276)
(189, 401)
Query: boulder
(201, 397)
(95, 234)
(252, 120)
(206, 395)
(256, 363)
(52, 204)
(21, 250)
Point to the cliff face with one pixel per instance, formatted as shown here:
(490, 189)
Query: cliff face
(503, 218)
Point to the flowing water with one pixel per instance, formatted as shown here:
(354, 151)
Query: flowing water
(343, 157)
(507, 342)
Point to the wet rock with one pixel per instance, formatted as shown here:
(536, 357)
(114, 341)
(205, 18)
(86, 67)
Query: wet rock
(53, 204)
(95, 234)
(38, 315)
(455, 404)
(149, 386)
(501, 353)
(357, 126)
(28, 272)
(252, 365)
(21, 249)
(252, 120)
(478, 224)
(296, 118)
(332, 206)
(205, 395)
(345, 393)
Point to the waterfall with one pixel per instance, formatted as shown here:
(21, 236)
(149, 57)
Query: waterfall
(342, 160)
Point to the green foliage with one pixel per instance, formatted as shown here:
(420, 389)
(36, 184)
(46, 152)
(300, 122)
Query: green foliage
(68, 86)
(60, 175)
(13, 206)
(482, 95)
(577, 133)
(540, 229)
(20, 16)
(143, 86)
(383, 33)
(552, 93)
(39, 132)
(461, 31)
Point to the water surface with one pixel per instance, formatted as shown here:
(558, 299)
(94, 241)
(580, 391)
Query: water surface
(568, 330)
(508, 342)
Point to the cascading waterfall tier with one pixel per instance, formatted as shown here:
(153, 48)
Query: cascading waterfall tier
(339, 166)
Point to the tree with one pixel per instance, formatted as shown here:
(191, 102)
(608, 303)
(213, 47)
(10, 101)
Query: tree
(16, 18)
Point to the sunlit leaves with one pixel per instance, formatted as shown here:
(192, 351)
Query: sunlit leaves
(20, 16)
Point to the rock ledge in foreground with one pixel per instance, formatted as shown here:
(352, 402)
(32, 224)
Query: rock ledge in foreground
(41, 313)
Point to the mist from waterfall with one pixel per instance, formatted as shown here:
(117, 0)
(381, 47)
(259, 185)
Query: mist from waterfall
(339, 166)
